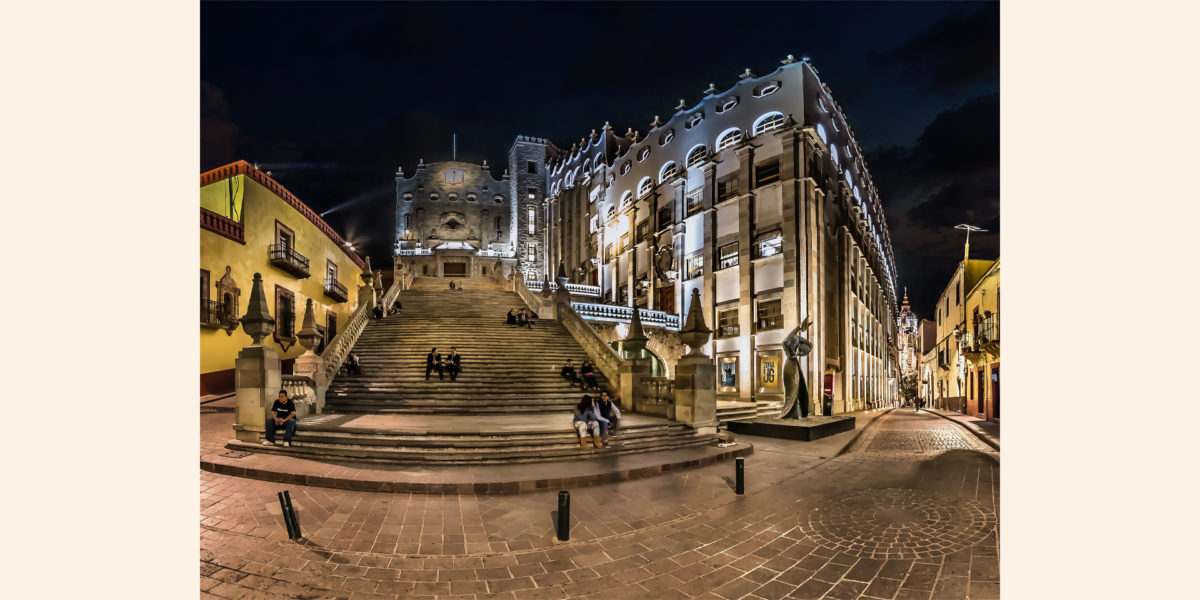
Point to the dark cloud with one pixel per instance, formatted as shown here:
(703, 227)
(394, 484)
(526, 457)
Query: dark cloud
(957, 53)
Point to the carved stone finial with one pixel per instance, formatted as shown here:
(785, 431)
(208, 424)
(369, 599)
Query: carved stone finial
(366, 272)
(695, 332)
(505, 176)
(789, 60)
(420, 163)
(378, 280)
(485, 163)
(310, 338)
(712, 89)
(682, 105)
(635, 340)
(593, 132)
(607, 127)
(629, 132)
(656, 122)
(257, 322)
(746, 75)
(561, 274)
(400, 170)
(545, 286)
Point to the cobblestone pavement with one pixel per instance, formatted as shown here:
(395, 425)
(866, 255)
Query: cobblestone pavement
(910, 512)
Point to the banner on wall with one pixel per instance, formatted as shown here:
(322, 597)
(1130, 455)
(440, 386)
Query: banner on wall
(727, 376)
(768, 371)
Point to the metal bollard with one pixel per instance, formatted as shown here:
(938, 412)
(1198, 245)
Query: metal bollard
(564, 515)
(289, 515)
(740, 484)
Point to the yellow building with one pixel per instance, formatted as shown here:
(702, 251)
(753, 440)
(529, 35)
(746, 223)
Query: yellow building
(950, 381)
(249, 224)
(981, 345)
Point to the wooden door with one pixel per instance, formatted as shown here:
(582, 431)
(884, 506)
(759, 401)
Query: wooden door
(454, 269)
(666, 300)
(996, 391)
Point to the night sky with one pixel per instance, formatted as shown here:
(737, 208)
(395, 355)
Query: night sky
(333, 97)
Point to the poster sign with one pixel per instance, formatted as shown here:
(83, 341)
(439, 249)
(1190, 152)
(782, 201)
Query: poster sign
(829, 384)
(727, 376)
(768, 371)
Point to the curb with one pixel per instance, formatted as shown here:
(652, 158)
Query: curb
(982, 438)
(859, 432)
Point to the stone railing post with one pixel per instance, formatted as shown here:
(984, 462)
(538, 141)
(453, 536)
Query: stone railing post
(257, 369)
(309, 364)
(635, 368)
(695, 375)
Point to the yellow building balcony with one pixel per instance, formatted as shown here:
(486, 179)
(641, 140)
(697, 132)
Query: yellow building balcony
(288, 260)
(335, 290)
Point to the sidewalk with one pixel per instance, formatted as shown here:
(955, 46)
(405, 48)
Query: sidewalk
(988, 431)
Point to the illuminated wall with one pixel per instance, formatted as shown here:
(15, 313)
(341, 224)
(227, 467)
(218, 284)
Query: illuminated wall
(264, 212)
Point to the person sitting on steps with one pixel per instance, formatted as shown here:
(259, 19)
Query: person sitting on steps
(452, 286)
(529, 317)
(443, 368)
(352, 366)
(587, 419)
(454, 363)
(609, 409)
(568, 373)
(512, 317)
(282, 415)
(588, 373)
(433, 360)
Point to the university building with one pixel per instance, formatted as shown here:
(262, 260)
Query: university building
(758, 196)
(249, 224)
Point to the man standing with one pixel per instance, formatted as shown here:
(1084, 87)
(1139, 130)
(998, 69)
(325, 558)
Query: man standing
(433, 360)
(454, 363)
(283, 414)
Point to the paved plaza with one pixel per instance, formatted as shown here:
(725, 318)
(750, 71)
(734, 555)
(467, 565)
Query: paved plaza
(908, 511)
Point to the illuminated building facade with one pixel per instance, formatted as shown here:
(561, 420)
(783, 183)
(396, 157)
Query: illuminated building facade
(759, 197)
(950, 389)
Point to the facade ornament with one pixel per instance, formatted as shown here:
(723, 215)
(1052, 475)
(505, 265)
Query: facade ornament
(229, 295)
(746, 75)
(635, 340)
(695, 332)
(420, 163)
(656, 123)
(629, 132)
(712, 89)
(400, 170)
(505, 176)
(310, 338)
(366, 272)
(485, 163)
(607, 127)
(789, 60)
(257, 322)
(682, 106)
(561, 274)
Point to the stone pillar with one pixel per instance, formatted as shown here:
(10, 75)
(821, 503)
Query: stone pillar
(632, 390)
(309, 364)
(257, 378)
(695, 374)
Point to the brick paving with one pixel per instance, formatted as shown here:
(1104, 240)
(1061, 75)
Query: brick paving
(914, 517)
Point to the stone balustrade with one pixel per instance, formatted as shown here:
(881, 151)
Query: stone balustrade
(623, 314)
(414, 252)
(588, 291)
(302, 391)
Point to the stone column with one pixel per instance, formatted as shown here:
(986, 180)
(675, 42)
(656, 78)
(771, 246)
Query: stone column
(695, 374)
(632, 390)
(258, 378)
(309, 364)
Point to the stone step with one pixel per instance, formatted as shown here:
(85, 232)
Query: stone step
(483, 440)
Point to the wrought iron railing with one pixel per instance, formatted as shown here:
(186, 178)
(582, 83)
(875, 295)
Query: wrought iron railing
(212, 314)
(334, 289)
(575, 289)
(286, 257)
(989, 329)
(623, 314)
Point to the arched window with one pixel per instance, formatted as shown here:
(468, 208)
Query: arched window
(727, 104)
(408, 197)
(821, 103)
(767, 122)
(694, 120)
(834, 154)
(610, 214)
(835, 125)
(846, 174)
(645, 186)
(625, 167)
(570, 178)
(471, 197)
(452, 197)
(766, 89)
(498, 198)
(666, 138)
(587, 162)
(821, 133)
(626, 198)
(729, 138)
(433, 196)
(645, 152)
(698, 155)
(667, 172)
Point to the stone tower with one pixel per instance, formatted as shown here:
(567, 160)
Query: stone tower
(527, 178)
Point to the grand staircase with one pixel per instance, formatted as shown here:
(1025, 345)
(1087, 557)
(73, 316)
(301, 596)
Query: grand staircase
(509, 404)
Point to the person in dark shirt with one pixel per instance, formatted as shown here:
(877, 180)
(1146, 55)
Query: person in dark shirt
(568, 373)
(282, 415)
(609, 410)
(433, 360)
(588, 373)
(352, 367)
(454, 363)
(512, 317)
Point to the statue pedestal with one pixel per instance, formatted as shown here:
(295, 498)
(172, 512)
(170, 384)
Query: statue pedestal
(633, 392)
(308, 365)
(258, 381)
(696, 393)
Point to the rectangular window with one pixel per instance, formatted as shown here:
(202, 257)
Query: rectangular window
(532, 192)
(595, 222)
(643, 231)
(284, 236)
(770, 314)
(694, 264)
(331, 270)
(595, 194)
(285, 314)
(727, 256)
(608, 253)
(531, 166)
(727, 374)
(727, 322)
(623, 243)
(768, 243)
(204, 285)
(695, 201)
(727, 188)
(624, 295)
(531, 253)
(532, 221)
(666, 216)
(766, 172)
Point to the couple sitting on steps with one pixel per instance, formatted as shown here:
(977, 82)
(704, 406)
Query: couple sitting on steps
(600, 417)
(451, 363)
